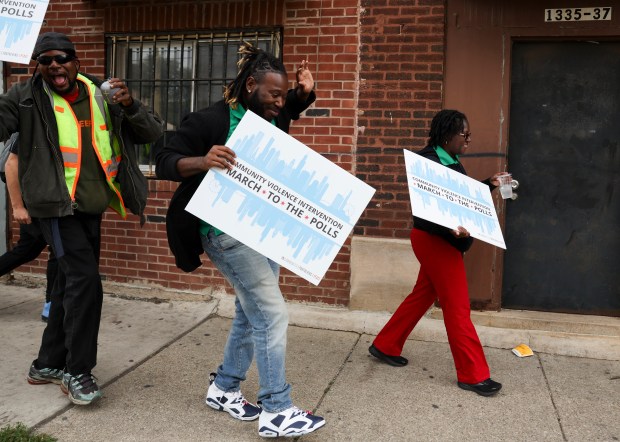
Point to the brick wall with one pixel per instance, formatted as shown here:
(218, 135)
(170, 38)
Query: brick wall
(323, 31)
(401, 77)
(378, 68)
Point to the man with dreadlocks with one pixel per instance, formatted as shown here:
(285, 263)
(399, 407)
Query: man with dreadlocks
(261, 318)
(442, 273)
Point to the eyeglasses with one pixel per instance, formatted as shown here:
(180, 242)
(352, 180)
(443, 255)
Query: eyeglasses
(46, 60)
(465, 134)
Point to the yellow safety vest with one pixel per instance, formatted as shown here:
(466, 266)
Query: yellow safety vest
(104, 142)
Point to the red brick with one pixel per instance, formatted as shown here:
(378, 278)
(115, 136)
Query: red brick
(397, 39)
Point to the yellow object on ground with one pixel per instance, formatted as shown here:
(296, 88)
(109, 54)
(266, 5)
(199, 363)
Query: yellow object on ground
(522, 351)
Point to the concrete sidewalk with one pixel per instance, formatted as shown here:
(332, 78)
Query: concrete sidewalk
(154, 361)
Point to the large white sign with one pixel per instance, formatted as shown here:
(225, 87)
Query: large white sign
(282, 199)
(20, 23)
(451, 199)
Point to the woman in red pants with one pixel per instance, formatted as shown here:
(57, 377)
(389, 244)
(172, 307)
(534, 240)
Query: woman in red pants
(442, 273)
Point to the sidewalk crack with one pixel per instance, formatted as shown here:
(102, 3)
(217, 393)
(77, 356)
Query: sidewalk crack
(555, 408)
(340, 370)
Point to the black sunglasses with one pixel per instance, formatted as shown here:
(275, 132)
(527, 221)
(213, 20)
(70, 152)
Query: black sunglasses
(46, 60)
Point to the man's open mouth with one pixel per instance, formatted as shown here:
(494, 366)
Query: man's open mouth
(59, 81)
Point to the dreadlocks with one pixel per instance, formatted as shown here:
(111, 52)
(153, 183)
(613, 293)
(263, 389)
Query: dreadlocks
(446, 124)
(255, 63)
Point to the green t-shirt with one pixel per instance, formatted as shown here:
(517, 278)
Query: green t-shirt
(236, 114)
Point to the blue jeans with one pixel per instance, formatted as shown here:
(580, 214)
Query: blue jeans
(260, 322)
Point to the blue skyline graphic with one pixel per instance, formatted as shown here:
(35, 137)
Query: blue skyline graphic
(465, 216)
(296, 178)
(16, 29)
(264, 213)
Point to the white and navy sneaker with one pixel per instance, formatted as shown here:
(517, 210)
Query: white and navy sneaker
(231, 402)
(291, 422)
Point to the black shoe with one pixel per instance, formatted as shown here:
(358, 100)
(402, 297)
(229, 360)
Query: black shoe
(485, 388)
(396, 361)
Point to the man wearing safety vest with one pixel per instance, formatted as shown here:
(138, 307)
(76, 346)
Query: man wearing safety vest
(76, 158)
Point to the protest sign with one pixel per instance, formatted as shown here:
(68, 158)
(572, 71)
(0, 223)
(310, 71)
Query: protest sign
(282, 199)
(451, 199)
(20, 23)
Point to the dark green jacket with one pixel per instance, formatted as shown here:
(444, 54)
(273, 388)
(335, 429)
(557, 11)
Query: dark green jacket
(27, 109)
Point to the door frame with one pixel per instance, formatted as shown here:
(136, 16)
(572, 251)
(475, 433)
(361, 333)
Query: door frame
(479, 38)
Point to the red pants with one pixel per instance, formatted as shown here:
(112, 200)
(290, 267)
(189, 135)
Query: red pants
(442, 276)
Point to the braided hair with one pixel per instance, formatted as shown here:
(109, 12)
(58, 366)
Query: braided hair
(445, 125)
(255, 63)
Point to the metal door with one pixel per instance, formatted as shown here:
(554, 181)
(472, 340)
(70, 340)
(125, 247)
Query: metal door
(564, 229)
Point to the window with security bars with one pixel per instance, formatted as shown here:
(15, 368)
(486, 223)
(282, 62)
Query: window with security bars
(180, 73)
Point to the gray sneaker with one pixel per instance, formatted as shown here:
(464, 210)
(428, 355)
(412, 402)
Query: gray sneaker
(81, 388)
(37, 376)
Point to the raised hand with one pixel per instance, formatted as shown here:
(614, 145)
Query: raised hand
(305, 81)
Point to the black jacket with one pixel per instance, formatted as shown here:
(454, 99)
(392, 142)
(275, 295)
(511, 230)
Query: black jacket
(461, 244)
(198, 132)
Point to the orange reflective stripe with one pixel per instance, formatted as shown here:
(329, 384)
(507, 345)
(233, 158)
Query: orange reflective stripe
(104, 145)
(70, 156)
(110, 168)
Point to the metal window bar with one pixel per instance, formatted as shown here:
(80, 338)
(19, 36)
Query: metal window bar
(172, 74)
